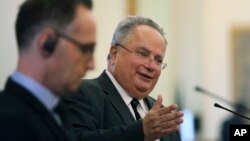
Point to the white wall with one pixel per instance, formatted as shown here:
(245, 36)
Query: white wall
(8, 53)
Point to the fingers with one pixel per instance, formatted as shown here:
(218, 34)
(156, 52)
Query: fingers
(157, 104)
(176, 121)
(171, 116)
(168, 120)
(165, 131)
(162, 121)
(168, 109)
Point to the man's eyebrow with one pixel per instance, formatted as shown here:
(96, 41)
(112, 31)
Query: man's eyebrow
(148, 51)
(143, 48)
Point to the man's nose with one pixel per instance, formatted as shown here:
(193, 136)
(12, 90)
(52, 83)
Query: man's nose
(151, 64)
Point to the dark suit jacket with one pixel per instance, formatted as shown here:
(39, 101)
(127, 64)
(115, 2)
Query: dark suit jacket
(98, 113)
(24, 118)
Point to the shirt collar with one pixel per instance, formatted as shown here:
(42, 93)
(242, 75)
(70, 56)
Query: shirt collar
(124, 94)
(43, 94)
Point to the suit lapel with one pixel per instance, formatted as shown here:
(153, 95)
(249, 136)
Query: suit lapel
(37, 107)
(149, 103)
(115, 99)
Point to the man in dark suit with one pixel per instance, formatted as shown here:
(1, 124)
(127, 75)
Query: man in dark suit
(116, 106)
(55, 40)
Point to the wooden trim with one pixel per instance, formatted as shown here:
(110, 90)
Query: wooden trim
(238, 33)
(131, 7)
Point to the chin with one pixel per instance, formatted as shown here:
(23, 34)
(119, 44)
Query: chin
(141, 95)
(144, 90)
(143, 87)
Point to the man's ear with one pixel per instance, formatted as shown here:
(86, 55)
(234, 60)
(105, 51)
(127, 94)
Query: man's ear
(113, 54)
(46, 42)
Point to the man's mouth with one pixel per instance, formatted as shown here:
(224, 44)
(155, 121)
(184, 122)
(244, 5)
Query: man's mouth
(146, 75)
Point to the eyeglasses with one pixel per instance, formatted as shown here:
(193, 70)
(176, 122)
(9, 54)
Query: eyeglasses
(87, 48)
(145, 56)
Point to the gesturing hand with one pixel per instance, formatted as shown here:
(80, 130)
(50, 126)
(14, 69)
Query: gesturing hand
(161, 121)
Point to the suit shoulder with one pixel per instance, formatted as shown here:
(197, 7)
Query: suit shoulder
(90, 83)
(89, 89)
(90, 86)
(12, 106)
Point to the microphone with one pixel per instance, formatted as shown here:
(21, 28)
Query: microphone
(219, 106)
(214, 96)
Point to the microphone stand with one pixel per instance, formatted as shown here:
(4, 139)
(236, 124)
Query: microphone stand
(199, 89)
(214, 96)
(219, 106)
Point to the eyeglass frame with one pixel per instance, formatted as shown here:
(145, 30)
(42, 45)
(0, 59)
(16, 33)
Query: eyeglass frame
(84, 47)
(162, 64)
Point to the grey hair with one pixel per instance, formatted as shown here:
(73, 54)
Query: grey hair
(126, 26)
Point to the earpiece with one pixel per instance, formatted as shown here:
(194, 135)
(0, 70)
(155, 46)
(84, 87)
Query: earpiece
(50, 45)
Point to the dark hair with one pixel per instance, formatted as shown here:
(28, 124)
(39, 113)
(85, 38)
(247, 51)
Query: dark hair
(34, 15)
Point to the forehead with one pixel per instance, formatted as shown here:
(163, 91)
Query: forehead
(146, 37)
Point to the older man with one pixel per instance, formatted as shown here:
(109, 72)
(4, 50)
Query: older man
(116, 106)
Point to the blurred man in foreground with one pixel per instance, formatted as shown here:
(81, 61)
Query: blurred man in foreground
(56, 41)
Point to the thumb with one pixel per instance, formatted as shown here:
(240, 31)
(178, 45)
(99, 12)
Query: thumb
(158, 103)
